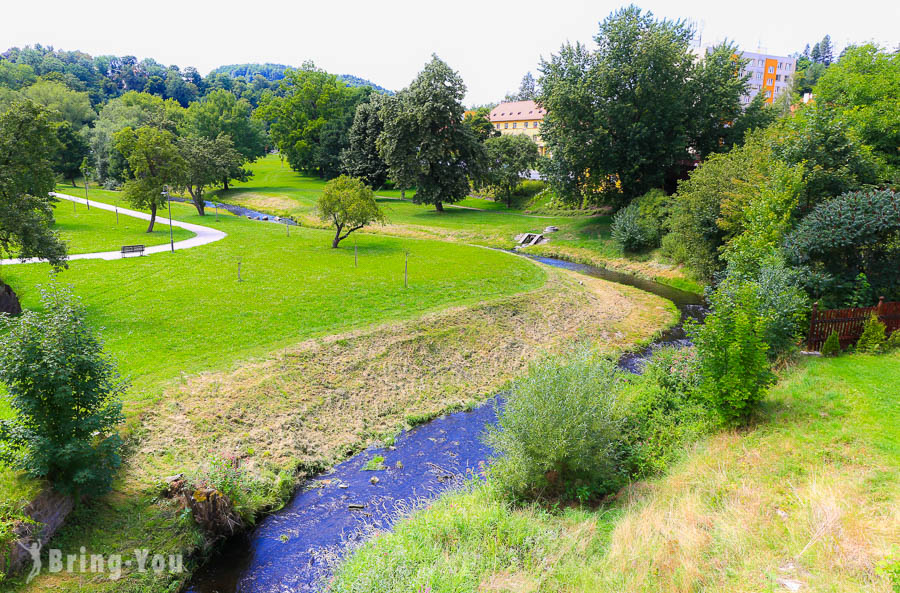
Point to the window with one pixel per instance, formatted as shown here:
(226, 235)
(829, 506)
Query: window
(768, 82)
(771, 69)
(498, 126)
(787, 78)
(780, 65)
(768, 94)
(535, 124)
(526, 124)
(505, 126)
(778, 77)
(514, 124)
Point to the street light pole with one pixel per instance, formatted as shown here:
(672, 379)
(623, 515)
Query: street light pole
(84, 172)
(169, 201)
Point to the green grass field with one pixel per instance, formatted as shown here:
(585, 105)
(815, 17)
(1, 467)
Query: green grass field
(808, 496)
(276, 189)
(88, 230)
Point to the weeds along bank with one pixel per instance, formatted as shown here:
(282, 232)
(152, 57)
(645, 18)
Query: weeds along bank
(303, 404)
(805, 496)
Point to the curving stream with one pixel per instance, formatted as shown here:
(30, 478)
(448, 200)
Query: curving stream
(297, 548)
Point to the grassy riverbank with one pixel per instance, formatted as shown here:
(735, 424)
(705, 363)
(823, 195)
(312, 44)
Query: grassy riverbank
(303, 361)
(808, 496)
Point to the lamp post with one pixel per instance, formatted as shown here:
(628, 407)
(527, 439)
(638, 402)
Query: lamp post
(84, 173)
(169, 202)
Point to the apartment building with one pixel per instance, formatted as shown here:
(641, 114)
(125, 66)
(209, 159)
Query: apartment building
(519, 117)
(770, 75)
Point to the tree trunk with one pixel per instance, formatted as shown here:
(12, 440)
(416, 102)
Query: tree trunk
(199, 204)
(9, 302)
(438, 206)
(337, 238)
(225, 183)
(73, 182)
(402, 193)
(152, 217)
(508, 198)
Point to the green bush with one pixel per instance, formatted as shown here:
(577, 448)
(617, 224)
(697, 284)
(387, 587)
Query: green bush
(632, 232)
(873, 336)
(832, 345)
(733, 352)
(664, 410)
(530, 188)
(893, 341)
(64, 391)
(559, 431)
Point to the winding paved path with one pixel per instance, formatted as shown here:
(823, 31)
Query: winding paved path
(203, 234)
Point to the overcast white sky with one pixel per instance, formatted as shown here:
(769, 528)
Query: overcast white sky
(491, 43)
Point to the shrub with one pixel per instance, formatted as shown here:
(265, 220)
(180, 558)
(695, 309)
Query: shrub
(893, 341)
(832, 345)
(784, 307)
(855, 233)
(732, 351)
(64, 391)
(631, 231)
(664, 411)
(873, 336)
(559, 431)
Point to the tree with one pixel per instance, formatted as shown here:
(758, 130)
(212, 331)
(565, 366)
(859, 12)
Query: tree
(863, 87)
(154, 161)
(349, 205)
(309, 116)
(509, 158)
(361, 158)
(528, 89)
(424, 137)
(72, 151)
(206, 162)
(66, 104)
(478, 122)
(220, 112)
(816, 54)
(826, 50)
(28, 143)
(620, 119)
(717, 106)
(65, 392)
(16, 76)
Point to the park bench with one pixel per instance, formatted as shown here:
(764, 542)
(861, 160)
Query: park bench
(126, 249)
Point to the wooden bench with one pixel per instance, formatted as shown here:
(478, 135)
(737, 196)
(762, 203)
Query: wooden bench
(126, 249)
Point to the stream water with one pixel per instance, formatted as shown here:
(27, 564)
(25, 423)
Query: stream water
(297, 548)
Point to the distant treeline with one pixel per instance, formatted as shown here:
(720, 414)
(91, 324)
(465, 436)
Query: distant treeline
(274, 72)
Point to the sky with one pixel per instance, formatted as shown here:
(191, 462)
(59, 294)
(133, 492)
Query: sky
(491, 43)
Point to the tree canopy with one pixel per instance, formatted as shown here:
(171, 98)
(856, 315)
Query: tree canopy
(349, 205)
(509, 158)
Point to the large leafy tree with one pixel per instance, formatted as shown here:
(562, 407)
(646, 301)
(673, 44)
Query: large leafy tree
(361, 158)
(349, 205)
(28, 142)
(509, 158)
(620, 119)
(67, 105)
(154, 162)
(220, 112)
(309, 118)
(864, 86)
(477, 120)
(425, 140)
(73, 149)
(65, 391)
(207, 162)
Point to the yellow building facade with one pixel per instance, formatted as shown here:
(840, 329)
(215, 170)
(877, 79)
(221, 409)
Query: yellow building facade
(519, 117)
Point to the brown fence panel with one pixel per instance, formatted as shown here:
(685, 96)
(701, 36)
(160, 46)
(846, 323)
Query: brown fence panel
(848, 323)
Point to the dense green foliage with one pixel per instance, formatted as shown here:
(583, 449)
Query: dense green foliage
(856, 233)
(639, 225)
(154, 162)
(425, 142)
(27, 143)
(361, 157)
(508, 159)
(873, 336)
(621, 119)
(65, 391)
(832, 345)
(349, 205)
(310, 117)
(207, 162)
(558, 431)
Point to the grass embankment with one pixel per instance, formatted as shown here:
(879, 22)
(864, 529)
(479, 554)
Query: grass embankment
(583, 237)
(244, 368)
(808, 497)
(89, 230)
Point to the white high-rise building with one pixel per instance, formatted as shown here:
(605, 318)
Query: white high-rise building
(770, 75)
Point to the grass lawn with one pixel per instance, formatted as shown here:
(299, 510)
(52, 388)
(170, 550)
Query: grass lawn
(87, 231)
(809, 495)
(278, 190)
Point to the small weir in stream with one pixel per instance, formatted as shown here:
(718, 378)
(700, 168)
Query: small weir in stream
(296, 548)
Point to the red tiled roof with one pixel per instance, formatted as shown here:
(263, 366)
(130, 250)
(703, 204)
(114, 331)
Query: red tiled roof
(517, 111)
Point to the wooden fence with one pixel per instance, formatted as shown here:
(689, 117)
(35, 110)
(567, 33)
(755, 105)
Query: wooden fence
(848, 323)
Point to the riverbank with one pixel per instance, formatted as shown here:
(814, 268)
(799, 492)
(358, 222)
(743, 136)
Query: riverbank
(805, 499)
